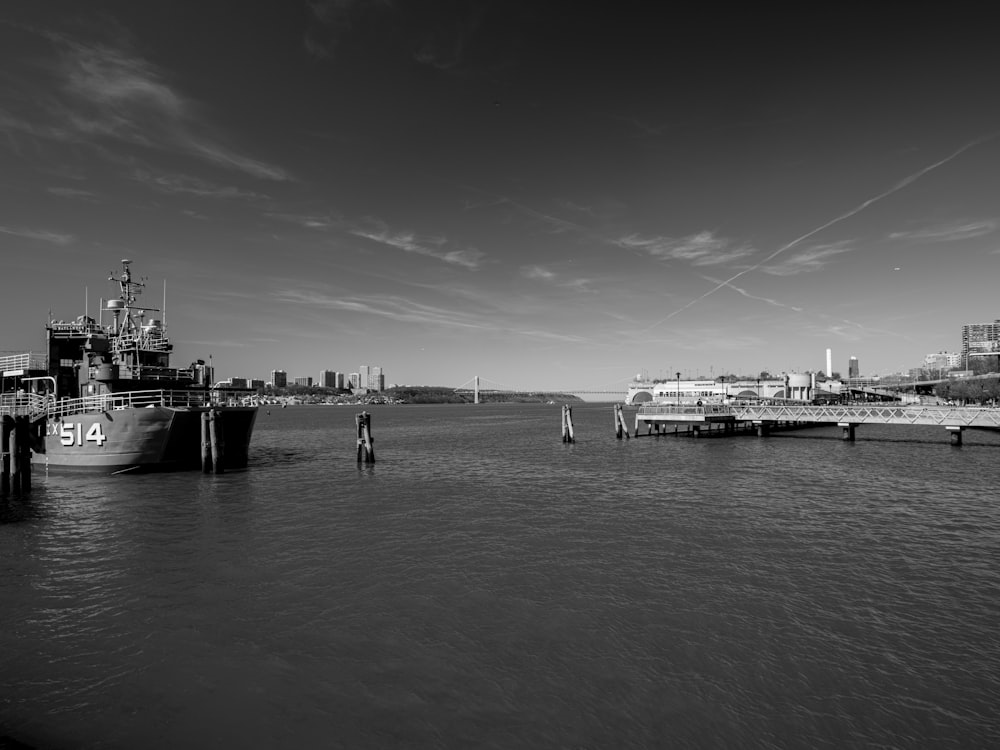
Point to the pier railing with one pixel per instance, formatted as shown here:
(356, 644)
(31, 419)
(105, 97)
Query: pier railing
(957, 416)
(960, 416)
(22, 404)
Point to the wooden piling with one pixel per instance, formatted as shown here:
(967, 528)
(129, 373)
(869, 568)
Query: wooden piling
(21, 456)
(567, 424)
(5, 437)
(216, 439)
(366, 449)
(14, 451)
(206, 445)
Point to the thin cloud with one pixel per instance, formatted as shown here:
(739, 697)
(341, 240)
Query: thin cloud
(550, 336)
(745, 293)
(908, 180)
(184, 184)
(42, 235)
(99, 92)
(431, 247)
(701, 249)
(540, 273)
(537, 273)
(948, 232)
(66, 192)
(310, 221)
(553, 224)
(398, 309)
(807, 261)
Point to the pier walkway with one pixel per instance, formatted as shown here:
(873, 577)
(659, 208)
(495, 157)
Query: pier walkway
(763, 417)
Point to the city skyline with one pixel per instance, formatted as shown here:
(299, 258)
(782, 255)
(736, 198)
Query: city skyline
(545, 195)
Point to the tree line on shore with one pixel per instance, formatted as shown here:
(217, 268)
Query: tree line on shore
(970, 391)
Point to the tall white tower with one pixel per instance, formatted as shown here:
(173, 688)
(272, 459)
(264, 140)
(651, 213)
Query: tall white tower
(829, 363)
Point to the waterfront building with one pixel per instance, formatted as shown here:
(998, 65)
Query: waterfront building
(942, 361)
(304, 381)
(327, 379)
(279, 378)
(376, 380)
(979, 339)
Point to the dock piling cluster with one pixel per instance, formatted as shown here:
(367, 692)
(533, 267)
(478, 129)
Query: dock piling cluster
(213, 445)
(567, 424)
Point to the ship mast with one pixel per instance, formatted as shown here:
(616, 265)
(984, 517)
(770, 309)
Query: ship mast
(129, 290)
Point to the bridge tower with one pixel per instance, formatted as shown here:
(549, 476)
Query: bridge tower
(476, 390)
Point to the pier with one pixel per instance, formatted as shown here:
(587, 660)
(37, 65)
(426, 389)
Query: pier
(764, 417)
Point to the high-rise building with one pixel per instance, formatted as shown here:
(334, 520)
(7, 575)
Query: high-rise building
(338, 380)
(354, 379)
(327, 378)
(979, 339)
(304, 381)
(376, 380)
(279, 378)
(364, 375)
(852, 368)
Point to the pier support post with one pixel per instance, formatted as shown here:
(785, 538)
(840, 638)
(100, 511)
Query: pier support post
(956, 434)
(848, 430)
(762, 428)
(5, 436)
(567, 424)
(21, 456)
(366, 449)
(206, 445)
(217, 441)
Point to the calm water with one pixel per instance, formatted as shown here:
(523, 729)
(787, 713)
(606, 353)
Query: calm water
(486, 586)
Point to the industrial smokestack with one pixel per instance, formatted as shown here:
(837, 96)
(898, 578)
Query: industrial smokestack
(829, 363)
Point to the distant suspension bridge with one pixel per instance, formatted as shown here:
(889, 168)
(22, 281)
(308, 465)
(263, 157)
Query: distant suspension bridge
(478, 386)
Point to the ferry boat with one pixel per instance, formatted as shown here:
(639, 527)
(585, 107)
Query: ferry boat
(104, 396)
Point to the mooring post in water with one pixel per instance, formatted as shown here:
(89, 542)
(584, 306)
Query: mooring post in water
(5, 437)
(620, 426)
(567, 424)
(366, 449)
(217, 440)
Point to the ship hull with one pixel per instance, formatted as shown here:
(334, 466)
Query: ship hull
(153, 438)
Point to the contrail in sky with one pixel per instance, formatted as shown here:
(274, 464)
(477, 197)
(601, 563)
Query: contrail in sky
(857, 209)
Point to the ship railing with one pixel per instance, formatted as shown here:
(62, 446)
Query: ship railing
(145, 341)
(142, 399)
(23, 361)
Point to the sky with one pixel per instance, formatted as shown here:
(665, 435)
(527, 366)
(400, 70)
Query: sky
(549, 195)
